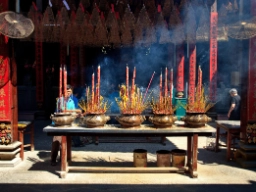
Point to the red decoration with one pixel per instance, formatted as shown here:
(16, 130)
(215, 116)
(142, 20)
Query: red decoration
(180, 69)
(192, 74)
(159, 8)
(213, 55)
(5, 91)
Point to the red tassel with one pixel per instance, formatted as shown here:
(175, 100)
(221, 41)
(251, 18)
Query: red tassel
(159, 8)
(112, 8)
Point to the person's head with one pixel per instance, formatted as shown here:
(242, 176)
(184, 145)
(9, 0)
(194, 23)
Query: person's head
(233, 92)
(69, 91)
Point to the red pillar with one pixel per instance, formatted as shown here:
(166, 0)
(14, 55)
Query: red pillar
(180, 70)
(213, 51)
(248, 115)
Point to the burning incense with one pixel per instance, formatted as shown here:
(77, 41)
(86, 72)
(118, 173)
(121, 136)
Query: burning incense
(171, 83)
(92, 99)
(148, 86)
(65, 86)
(160, 88)
(199, 80)
(165, 83)
(60, 82)
(127, 81)
(98, 76)
(65, 79)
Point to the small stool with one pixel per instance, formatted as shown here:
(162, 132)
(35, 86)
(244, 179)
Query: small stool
(22, 130)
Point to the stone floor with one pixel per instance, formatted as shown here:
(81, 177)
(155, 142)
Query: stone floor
(36, 174)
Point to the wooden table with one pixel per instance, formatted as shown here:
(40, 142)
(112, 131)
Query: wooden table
(231, 127)
(145, 131)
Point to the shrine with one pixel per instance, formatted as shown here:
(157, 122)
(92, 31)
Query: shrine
(184, 54)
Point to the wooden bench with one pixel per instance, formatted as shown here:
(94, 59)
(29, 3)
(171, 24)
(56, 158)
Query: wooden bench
(26, 127)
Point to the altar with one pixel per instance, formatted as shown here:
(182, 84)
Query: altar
(145, 130)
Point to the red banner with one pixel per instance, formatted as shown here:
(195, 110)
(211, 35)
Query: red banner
(213, 55)
(192, 74)
(180, 69)
(5, 90)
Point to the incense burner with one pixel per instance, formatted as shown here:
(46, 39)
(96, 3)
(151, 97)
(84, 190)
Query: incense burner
(196, 119)
(162, 120)
(130, 120)
(63, 119)
(94, 120)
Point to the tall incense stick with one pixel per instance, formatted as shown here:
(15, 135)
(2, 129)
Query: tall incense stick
(148, 87)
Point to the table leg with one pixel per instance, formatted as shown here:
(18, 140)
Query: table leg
(32, 147)
(21, 139)
(63, 171)
(217, 139)
(193, 171)
(228, 145)
(163, 140)
(189, 145)
(69, 153)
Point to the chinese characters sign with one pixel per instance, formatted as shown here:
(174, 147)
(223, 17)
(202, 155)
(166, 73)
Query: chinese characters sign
(180, 69)
(213, 55)
(5, 90)
(192, 73)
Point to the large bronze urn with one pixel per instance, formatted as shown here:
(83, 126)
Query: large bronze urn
(63, 119)
(162, 120)
(94, 120)
(130, 120)
(196, 119)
